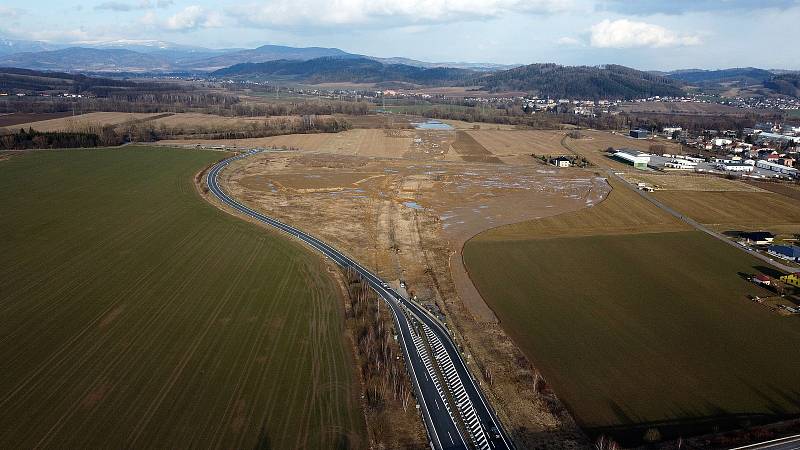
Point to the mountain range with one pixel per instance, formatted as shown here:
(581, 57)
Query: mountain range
(315, 65)
(161, 56)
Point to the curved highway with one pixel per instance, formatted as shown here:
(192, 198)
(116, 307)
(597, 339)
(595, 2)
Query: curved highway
(455, 412)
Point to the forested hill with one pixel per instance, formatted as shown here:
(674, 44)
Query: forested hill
(747, 75)
(16, 80)
(607, 82)
(352, 70)
(786, 84)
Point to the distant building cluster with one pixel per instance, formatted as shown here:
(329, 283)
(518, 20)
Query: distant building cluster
(767, 150)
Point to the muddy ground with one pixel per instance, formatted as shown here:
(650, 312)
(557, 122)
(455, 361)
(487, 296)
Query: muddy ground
(407, 218)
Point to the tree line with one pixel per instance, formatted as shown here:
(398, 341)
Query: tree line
(30, 139)
(387, 389)
(146, 131)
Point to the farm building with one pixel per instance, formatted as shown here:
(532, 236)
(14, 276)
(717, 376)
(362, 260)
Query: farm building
(561, 161)
(637, 159)
(758, 237)
(788, 252)
(792, 279)
(762, 279)
(640, 134)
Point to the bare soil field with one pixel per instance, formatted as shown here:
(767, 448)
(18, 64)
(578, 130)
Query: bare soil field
(362, 142)
(622, 212)
(84, 121)
(378, 120)
(737, 210)
(520, 142)
(8, 120)
(470, 150)
(789, 190)
(192, 122)
(407, 219)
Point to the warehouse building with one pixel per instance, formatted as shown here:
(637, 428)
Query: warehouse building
(735, 167)
(637, 159)
(774, 167)
(640, 134)
(787, 252)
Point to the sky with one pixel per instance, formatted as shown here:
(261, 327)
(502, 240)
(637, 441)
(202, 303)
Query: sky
(645, 34)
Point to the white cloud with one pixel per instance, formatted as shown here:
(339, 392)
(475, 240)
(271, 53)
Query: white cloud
(121, 6)
(10, 13)
(392, 13)
(192, 18)
(625, 33)
(56, 35)
(567, 40)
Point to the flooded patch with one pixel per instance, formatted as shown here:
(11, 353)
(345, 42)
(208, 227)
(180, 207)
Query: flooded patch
(432, 125)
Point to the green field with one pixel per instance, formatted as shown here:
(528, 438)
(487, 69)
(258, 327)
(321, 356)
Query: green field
(135, 314)
(643, 330)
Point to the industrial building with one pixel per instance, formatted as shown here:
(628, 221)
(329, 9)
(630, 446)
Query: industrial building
(787, 252)
(637, 159)
(735, 167)
(775, 167)
(680, 164)
(758, 237)
(640, 134)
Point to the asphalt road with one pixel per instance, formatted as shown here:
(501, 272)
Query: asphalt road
(443, 431)
(787, 443)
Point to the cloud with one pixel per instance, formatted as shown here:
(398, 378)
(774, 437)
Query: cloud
(649, 7)
(10, 13)
(192, 18)
(625, 33)
(569, 41)
(119, 6)
(389, 13)
(57, 35)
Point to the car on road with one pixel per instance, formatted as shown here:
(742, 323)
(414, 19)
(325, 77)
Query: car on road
(386, 285)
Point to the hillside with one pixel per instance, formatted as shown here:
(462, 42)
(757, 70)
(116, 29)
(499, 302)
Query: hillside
(787, 84)
(263, 54)
(86, 59)
(581, 82)
(10, 46)
(352, 69)
(28, 81)
(747, 75)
